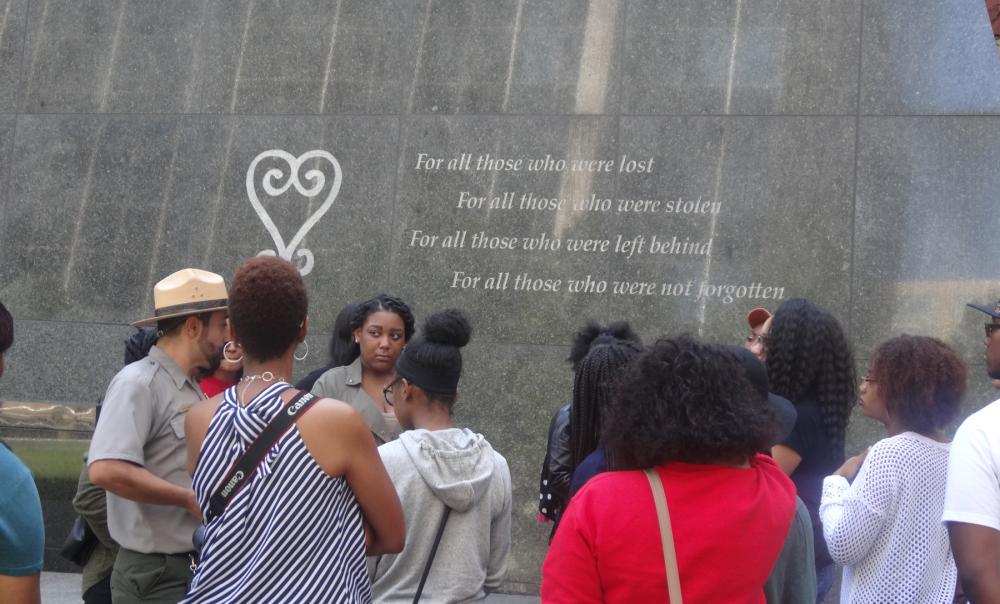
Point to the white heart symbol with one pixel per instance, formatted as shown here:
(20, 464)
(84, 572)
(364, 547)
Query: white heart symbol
(317, 180)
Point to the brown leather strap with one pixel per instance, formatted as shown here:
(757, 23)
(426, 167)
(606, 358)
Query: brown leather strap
(666, 536)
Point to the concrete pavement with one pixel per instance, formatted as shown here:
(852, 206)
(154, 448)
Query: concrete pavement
(64, 588)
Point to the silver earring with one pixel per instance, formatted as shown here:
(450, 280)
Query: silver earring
(225, 349)
(304, 354)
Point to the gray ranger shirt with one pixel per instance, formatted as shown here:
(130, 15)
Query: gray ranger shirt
(142, 422)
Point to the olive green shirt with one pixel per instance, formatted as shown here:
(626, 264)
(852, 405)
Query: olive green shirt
(344, 384)
(142, 422)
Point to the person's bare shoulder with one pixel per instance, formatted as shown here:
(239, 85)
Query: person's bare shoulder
(201, 413)
(333, 431)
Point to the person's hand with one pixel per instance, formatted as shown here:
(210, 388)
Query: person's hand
(191, 505)
(850, 467)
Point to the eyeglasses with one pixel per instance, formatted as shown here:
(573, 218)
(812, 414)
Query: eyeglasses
(387, 391)
(757, 339)
(990, 328)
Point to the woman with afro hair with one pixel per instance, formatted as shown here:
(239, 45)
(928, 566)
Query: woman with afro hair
(810, 363)
(885, 527)
(685, 410)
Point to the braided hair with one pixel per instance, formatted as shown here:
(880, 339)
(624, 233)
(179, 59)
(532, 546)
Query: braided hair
(595, 373)
(808, 358)
(587, 337)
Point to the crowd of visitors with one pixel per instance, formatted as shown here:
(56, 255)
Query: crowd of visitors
(678, 469)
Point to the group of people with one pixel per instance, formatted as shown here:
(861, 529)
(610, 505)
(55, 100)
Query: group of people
(746, 448)
(678, 469)
(356, 488)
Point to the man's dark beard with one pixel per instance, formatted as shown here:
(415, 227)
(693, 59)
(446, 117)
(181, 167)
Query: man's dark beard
(214, 362)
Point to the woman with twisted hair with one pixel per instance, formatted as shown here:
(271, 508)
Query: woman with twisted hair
(885, 527)
(810, 363)
(299, 526)
(687, 411)
(381, 327)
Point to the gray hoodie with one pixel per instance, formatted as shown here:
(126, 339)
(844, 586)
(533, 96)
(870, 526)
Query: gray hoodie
(457, 468)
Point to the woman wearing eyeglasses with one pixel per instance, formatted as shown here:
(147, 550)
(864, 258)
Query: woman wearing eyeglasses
(455, 488)
(885, 527)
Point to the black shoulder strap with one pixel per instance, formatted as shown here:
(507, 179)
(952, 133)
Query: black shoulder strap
(430, 559)
(244, 467)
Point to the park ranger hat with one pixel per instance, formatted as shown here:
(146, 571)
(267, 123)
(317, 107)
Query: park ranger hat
(189, 291)
(993, 312)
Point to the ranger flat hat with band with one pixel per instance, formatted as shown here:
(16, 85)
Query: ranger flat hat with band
(189, 291)
(993, 312)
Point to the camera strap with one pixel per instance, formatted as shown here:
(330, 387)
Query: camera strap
(244, 468)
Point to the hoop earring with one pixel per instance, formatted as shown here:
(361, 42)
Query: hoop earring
(225, 349)
(304, 354)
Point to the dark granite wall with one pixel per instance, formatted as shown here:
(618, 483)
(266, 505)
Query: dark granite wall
(849, 148)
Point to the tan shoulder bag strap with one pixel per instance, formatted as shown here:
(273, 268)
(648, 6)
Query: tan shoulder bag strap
(666, 536)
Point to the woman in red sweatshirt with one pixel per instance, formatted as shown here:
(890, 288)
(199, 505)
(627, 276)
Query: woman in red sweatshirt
(685, 409)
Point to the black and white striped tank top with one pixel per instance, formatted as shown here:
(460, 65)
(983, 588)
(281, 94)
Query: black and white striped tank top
(293, 534)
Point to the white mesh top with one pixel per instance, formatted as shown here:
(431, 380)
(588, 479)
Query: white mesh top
(886, 527)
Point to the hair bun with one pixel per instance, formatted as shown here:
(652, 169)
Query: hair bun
(449, 327)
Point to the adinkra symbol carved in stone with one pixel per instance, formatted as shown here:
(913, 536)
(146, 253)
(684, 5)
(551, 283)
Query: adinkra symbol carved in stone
(275, 183)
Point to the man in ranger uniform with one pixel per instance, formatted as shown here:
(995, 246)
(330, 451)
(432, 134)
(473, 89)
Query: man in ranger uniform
(138, 452)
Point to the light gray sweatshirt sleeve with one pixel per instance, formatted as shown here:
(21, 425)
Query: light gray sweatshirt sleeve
(500, 531)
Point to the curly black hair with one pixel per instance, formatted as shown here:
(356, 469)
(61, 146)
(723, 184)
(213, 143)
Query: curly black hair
(809, 358)
(593, 333)
(595, 375)
(387, 303)
(683, 400)
(921, 379)
(6, 329)
(267, 305)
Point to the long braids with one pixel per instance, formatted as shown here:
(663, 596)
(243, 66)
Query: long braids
(596, 372)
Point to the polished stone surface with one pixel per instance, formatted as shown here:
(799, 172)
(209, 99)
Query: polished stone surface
(106, 206)
(850, 147)
(13, 15)
(928, 58)
(783, 186)
(925, 240)
(724, 56)
(438, 203)
(509, 394)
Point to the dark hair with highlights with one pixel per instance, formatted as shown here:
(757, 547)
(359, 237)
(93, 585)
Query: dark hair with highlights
(682, 400)
(921, 379)
(386, 303)
(6, 329)
(808, 358)
(595, 375)
(267, 305)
